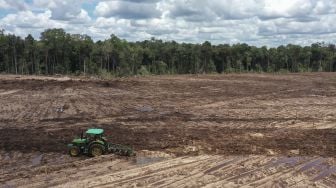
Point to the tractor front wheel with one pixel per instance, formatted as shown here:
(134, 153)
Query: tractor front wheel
(74, 151)
(96, 150)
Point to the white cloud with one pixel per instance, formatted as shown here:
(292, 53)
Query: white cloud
(285, 26)
(128, 9)
(325, 7)
(25, 22)
(27, 19)
(258, 22)
(65, 10)
(4, 5)
(286, 8)
(44, 4)
(17, 5)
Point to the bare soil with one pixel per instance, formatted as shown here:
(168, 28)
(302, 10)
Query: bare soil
(201, 121)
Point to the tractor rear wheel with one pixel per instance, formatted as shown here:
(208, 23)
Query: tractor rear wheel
(96, 150)
(74, 151)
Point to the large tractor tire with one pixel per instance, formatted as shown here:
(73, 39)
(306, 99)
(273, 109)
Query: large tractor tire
(74, 151)
(96, 150)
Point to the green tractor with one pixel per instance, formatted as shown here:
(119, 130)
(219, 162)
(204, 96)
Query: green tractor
(94, 144)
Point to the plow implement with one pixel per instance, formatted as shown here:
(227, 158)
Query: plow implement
(120, 149)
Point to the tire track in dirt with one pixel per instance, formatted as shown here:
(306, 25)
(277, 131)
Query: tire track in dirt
(253, 171)
(181, 182)
(91, 172)
(156, 177)
(118, 177)
(188, 173)
(156, 174)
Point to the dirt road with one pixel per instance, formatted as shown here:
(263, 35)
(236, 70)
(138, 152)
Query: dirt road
(212, 130)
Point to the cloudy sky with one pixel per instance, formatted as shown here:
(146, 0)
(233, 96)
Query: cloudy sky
(256, 22)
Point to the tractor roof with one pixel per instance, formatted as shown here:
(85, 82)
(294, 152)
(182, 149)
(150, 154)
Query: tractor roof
(95, 131)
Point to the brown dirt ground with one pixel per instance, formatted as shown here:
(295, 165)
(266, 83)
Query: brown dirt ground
(264, 116)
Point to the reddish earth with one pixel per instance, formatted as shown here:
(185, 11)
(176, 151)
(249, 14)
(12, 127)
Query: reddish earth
(197, 122)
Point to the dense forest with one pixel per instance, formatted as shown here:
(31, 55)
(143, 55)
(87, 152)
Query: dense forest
(58, 52)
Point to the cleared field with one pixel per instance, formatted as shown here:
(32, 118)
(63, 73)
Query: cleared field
(209, 130)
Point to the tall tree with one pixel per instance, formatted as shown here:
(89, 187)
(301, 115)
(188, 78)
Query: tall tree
(58, 52)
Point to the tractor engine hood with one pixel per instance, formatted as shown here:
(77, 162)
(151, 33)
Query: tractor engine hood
(78, 141)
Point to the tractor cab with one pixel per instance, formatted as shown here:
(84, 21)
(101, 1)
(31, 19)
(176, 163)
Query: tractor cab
(90, 134)
(94, 134)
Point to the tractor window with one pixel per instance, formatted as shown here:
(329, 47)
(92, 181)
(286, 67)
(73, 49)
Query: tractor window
(93, 137)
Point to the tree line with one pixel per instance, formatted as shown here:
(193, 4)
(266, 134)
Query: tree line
(58, 52)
